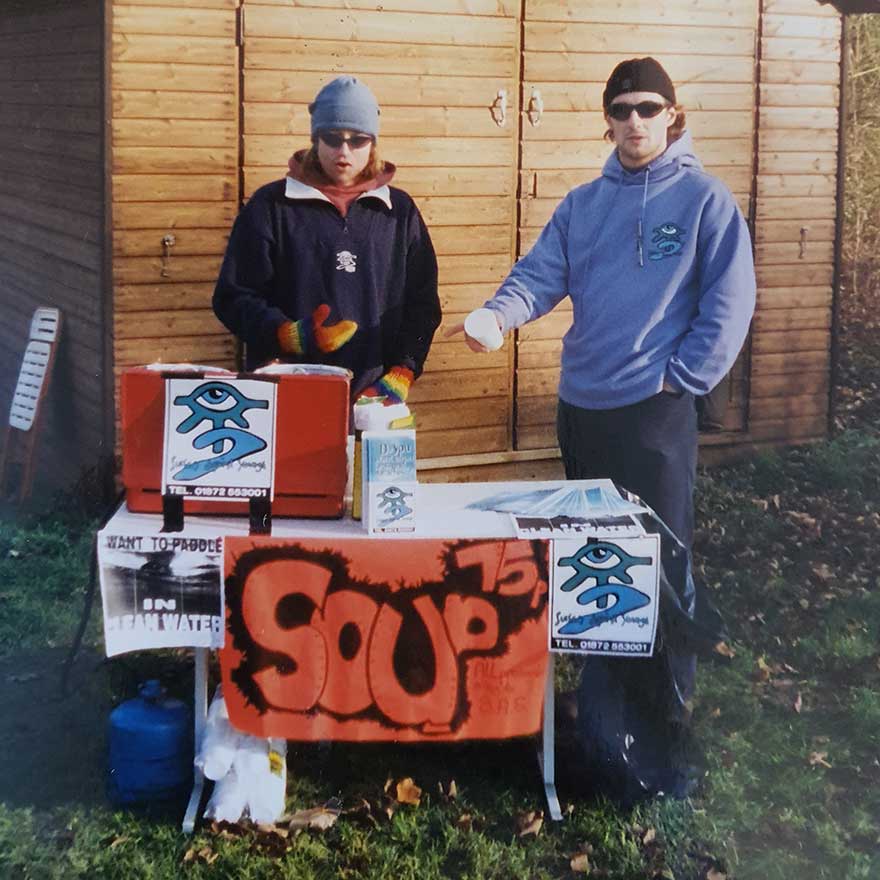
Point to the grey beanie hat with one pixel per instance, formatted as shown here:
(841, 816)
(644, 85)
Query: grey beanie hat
(345, 103)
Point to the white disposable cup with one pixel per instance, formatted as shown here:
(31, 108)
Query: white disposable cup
(482, 326)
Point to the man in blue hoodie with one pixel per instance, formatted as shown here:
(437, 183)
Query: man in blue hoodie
(657, 260)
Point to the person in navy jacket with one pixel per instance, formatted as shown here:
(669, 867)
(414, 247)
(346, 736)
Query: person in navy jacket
(332, 265)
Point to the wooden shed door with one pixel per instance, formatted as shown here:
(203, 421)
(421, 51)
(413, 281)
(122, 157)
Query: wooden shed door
(569, 48)
(492, 111)
(436, 67)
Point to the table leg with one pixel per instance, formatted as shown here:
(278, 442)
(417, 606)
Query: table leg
(200, 714)
(547, 757)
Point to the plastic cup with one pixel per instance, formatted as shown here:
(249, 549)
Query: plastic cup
(482, 326)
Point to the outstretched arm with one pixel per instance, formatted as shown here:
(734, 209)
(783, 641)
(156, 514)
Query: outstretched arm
(535, 284)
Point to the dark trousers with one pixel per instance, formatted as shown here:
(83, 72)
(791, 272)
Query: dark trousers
(632, 714)
(649, 448)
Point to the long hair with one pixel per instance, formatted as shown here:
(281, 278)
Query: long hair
(311, 165)
(673, 133)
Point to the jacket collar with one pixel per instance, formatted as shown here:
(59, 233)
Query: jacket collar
(296, 189)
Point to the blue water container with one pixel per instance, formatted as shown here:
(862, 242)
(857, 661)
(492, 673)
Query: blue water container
(151, 748)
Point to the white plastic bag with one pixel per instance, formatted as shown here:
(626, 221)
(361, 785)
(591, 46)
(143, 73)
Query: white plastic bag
(219, 741)
(261, 766)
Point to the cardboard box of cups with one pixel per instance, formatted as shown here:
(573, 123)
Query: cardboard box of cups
(384, 469)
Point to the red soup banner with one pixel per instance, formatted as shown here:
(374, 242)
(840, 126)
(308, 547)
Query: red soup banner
(377, 639)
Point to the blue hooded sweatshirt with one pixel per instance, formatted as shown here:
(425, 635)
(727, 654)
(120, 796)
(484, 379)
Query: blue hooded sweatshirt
(658, 265)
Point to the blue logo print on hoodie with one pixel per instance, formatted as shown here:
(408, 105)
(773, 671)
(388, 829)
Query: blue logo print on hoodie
(667, 239)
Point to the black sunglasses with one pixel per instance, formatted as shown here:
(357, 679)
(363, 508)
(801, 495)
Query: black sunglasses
(335, 141)
(646, 110)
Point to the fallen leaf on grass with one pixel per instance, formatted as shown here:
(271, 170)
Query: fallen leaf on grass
(649, 836)
(812, 526)
(580, 863)
(227, 830)
(798, 703)
(117, 841)
(715, 874)
(374, 811)
(316, 819)
(203, 854)
(819, 759)
(529, 823)
(823, 572)
(762, 670)
(408, 792)
(724, 650)
(273, 830)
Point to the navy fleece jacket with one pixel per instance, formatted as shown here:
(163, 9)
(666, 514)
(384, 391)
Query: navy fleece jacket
(658, 265)
(291, 250)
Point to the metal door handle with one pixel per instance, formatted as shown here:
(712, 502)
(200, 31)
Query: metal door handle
(802, 245)
(168, 242)
(498, 109)
(536, 107)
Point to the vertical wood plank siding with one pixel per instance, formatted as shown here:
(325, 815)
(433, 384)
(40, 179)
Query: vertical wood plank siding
(52, 220)
(795, 220)
(175, 109)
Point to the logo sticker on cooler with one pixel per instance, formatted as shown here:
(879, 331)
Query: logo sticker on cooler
(219, 439)
(346, 262)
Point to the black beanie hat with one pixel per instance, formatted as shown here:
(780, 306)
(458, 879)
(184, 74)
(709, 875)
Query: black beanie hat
(638, 75)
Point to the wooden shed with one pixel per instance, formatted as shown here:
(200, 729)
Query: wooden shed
(132, 132)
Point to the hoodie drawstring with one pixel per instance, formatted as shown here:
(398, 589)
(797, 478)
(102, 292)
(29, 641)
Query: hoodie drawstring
(641, 218)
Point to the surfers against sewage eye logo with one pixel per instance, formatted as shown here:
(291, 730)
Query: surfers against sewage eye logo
(604, 595)
(219, 438)
(601, 561)
(667, 241)
(218, 403)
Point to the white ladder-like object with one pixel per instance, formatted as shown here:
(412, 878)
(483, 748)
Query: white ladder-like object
(20, 436)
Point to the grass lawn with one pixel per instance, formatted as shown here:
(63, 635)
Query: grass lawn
(788, 717)
(789, 724)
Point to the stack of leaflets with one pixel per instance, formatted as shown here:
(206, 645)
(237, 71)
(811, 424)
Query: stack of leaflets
(592, 506)
(389, 480)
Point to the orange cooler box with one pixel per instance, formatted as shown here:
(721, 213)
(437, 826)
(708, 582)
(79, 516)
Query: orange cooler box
(310, 442)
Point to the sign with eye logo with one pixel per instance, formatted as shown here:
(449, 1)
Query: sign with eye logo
(604, 595)
(219, 438)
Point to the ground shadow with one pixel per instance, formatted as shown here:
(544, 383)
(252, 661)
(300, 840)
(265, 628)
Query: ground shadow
(53, 747)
